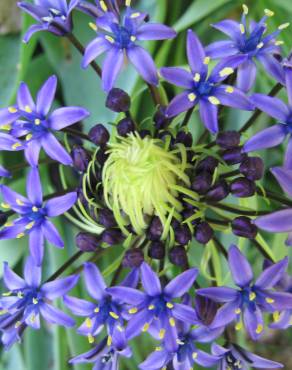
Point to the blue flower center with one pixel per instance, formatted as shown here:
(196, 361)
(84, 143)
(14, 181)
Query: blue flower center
(36, 214)
(122, 37)
(54, 14)
(204, 88)
(108, 310)
(28, 297)
(250, 44)
(158, 305)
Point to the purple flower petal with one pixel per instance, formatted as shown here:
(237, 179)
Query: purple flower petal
(283, 322)
(240, 268)
(59, 205)
(226, 314)
(177, 76)
(150, 280)
(155, 31)
(17, 202)
(262, 363)
(225, 67)
(24, 99)
(112, 66)
(288, 155)
(13, 231)
(204, 334)
(94, 281)
(196, 54)
(34, 187)
(32, 319)
(32, 152)
(288, 81)
(6, 117)
(272, 106)
(284, 178)
(79, 307)
(180, 103)
(272, 275)
(127, 295)
(8, 142)
(156, 360)
(32, 273)
(219, 294)
(143, 63)
(11, 280)
(64, 117)
(282, 301)
(209, 115)
(55, 316)
(137, 322)
(230, 28)
(246, 75)
(252, 321)
(60, 287)
(184, 313)
(46, 95)
(4, 172)
(55, 150)
(278, 222)
(267, 138)
(273, 67)
(94, 49)
(235, 99)
(51, 233)
(181, 284)
(206, 360)
(221, 49)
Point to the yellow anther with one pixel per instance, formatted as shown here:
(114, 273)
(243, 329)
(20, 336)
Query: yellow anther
(19, 202)
(242, 28)
(15, 146)
(8, 224)
(12, 110)
(35, 301)
(238, 326)
(158, 349)
(3, 312)
(245, 9)
(270, 300)
(32, 318)
(260, 45)
(133, 310)
(145, 327)
(27, 108)
(20, 295)
(226, 71)
(279, 42)
(238, 311)
(213, 100)
(110, 39)
(276, 316)
(128, 2)
(103, 5)
(120, 328)
(30, 225)
(197, 77)
(252, 296)
(133, 38)
(93, 26)
(180, 342)
(17, 324)
(229, 89)
(6, 294)
(207, 60)
(135, 15)
(283, 26)
(114, 315)
(290, 322)
(259, 329)
(5, 205)
(192, 97)
(268, 12)
(35, 209)
(6, 127)
(88, 322)
(37, 121)
(28, 137)
(194, 355)
(151, 307)
(169, 305)
(96, 310)
(172, 322)
(20, 235)
(90, 338)
(161, 333)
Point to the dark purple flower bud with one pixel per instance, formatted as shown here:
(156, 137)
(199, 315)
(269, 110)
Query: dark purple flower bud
(112, 236)
(243, 226)
(99, 135)
(133, 258)
(206, 309)
(106, 218)
(125, 127)
(101, 156)
(162, 135)
(118, 100)
(87, 242)
(155, 229)
(156, 250)
(208, 164)
(80, 158)
(184, 138)
(228, 139)
(160, 119)
(144, 133)
(252, 168)
(243, 187)
(175, 224)
(202, 182)
(183, 235)
(233, 156)
(3, 218)
(204, 233)
(178, 256)
(218, 192)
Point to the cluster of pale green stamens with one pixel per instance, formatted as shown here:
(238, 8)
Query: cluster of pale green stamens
(139, 179)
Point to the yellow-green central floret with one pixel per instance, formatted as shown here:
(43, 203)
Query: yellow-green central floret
(139, 179)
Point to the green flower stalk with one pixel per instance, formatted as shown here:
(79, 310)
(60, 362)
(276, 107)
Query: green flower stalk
(139, 179)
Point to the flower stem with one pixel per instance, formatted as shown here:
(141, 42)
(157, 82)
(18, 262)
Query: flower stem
(64, 267)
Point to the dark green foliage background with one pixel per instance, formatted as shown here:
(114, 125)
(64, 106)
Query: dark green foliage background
(50, 348)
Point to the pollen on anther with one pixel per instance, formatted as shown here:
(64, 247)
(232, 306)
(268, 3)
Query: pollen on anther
(259, 329)
(135, 15)
(35, 301)
(128, 3)
(229, 89)
(161, 333)
(5, 205)
(103, 6)
(172, 322)
(169, 305)
(197, 77)
(114, 315)
(207, 60)
(37, 121)
(96, 310)
(28, 137)
(133, 310)
(260, 45)
(12, 110)
(90, 338)
(27, 108)
(238, 326)
(109, 39)
(283, 26)
(252, 296)
(226, 71)
(270, 300)
(15, 146)
(268, 12)
(213, 100)
(194, 355)
(279, 42)
(242, 28)
(238, 311)
(35, 209)
(145, 327)
(245, 9)
(88, 322)
(93, 26)
(151, 307)
(192, 97)
(20, 235)
(19, 202)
